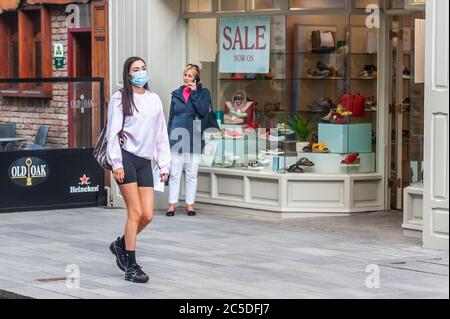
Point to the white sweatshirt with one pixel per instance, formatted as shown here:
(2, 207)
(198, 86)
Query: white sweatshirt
(145, 132)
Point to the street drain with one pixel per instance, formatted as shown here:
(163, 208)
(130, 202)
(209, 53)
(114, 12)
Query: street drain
(51, 279)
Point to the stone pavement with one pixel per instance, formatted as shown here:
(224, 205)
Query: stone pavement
(221, 253)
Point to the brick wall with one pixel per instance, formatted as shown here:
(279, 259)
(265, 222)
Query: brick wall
(30, 113)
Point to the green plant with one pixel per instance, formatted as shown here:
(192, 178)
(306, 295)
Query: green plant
(301, 127)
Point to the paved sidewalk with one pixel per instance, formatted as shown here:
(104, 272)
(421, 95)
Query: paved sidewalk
(221, 253)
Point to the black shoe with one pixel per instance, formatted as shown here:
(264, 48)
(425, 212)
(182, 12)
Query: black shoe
(119, 252)
(134, 273)
(191, 213)
(170, 214)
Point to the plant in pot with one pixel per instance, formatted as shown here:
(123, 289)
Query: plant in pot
(303, 129)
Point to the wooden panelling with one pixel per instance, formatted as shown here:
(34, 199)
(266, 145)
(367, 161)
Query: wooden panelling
(25, 48)
(46, 48)
(100, 54)
(4, 50)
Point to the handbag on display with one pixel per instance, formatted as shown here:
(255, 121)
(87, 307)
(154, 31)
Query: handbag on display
(239, 110)
(323, 41)
(359, 105)
(354, 103)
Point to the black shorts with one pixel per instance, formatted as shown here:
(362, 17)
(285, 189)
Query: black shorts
(137, 170)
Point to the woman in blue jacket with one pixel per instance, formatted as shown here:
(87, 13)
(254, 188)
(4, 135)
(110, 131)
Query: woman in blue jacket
(190, 104)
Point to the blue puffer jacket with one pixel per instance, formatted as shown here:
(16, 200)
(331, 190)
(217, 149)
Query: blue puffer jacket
(183, 114)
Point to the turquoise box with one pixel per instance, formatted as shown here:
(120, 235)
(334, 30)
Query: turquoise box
(346, 138)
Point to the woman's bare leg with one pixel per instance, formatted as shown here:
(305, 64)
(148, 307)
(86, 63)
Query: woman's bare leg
(130, 194)
(147, 200)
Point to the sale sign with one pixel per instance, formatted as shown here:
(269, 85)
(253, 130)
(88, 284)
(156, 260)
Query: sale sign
(244, 45)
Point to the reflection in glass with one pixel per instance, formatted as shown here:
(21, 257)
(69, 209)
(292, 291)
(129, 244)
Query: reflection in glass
(231, 5)
(199, 6)
(317, 4)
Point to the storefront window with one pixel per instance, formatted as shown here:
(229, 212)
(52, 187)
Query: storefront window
(199, 6)
(415, 95)
(317, 4)
(362, 4)
(415, 4)
(396, 4)
(263, 4)
(231, 5)
(335, 89)
(295, 94)
(407, 4)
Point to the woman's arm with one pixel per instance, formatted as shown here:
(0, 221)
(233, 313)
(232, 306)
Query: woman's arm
(201, 100)
(115, 124)
(162, 147)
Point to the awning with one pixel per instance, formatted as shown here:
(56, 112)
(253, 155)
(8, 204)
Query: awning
(8, 5)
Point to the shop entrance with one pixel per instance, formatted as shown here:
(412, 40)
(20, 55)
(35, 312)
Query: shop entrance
(406, 110)
(80, 94)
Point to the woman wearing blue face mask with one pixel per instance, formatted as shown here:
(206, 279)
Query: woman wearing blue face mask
(137, 133)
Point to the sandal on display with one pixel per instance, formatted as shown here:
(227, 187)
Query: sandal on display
(320, 148)
(330, 115)
(223, 164)
(305, 162)
(314, 74)
(337, 118)
(294, 168)
(351, 159)
(309, 148)
(253, 165)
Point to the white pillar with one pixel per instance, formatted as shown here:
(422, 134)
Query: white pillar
(436, 148)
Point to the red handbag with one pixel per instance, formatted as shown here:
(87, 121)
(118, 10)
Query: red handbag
(347, 100)
(358, 106)
(353, 103)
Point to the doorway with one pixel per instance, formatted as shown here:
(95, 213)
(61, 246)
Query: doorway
(406, 110)
(80, 93)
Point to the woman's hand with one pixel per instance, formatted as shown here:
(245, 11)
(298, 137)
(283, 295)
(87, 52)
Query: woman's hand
(119, 175)
(193, 85)
(164, 177)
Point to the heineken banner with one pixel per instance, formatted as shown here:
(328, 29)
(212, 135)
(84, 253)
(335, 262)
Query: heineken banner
(45, 179)
(244, 45)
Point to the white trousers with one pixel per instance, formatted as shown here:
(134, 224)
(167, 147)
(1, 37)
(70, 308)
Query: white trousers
(190, 162)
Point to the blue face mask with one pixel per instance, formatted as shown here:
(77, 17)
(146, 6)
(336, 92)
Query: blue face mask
(139, 78)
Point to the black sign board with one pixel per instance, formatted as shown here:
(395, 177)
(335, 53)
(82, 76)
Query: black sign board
(50, 179)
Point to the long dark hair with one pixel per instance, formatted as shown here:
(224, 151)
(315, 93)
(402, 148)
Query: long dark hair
(127, 90)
